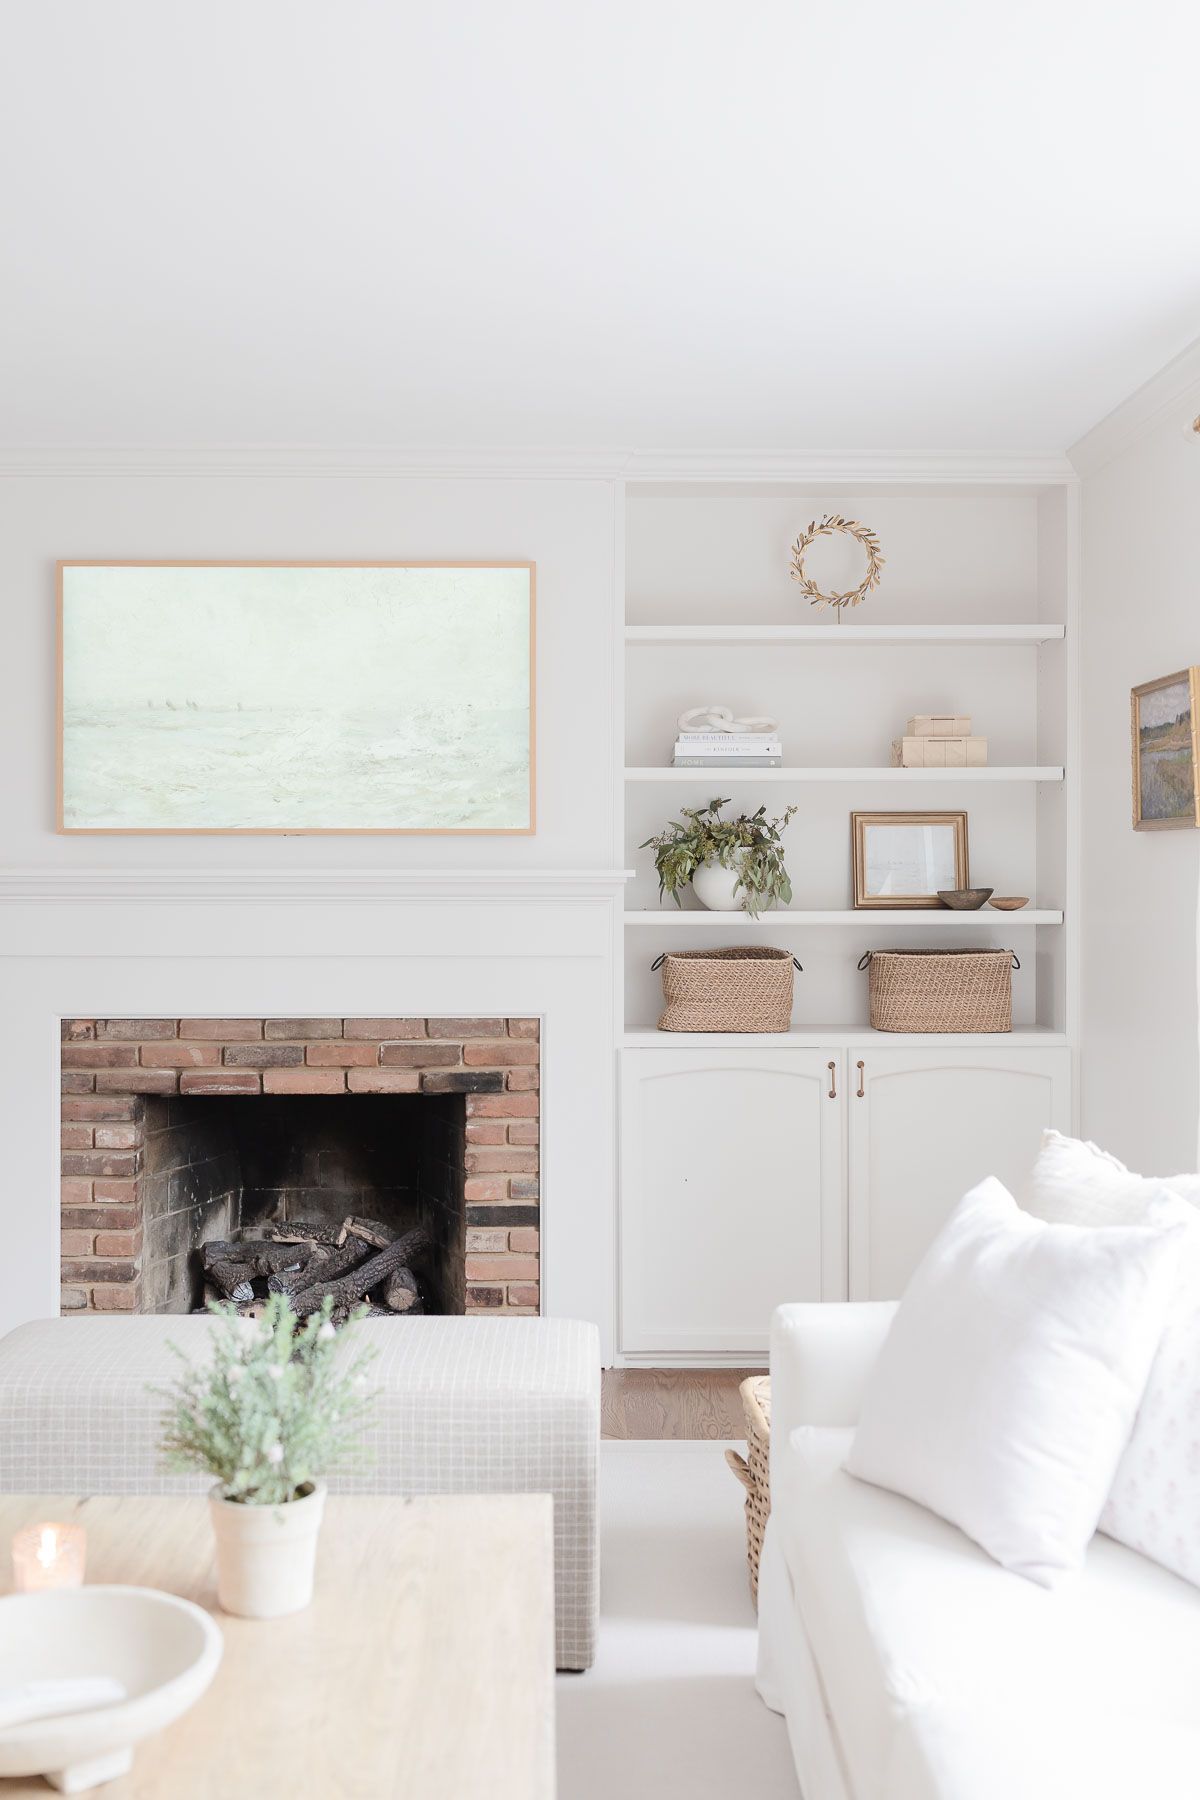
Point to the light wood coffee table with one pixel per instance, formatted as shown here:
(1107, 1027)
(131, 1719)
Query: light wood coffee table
(424, 1668)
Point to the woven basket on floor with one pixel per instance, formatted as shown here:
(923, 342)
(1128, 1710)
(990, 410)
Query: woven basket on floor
(745, 989)
(753, 1469)
(941, 990)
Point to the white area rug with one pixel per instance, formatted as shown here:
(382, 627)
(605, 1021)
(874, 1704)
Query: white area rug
(669, 1710)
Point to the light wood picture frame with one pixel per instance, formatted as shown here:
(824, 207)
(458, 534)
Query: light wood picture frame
(1164, 722)
(901, 859)
(305, 698)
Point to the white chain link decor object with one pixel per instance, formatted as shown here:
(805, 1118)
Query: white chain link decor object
(720, 718)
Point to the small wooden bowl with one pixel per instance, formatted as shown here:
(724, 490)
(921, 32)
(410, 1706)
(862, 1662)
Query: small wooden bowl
(964, 899)
(1009, 902)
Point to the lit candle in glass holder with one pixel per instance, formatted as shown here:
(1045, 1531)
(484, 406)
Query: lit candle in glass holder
(48, 1556)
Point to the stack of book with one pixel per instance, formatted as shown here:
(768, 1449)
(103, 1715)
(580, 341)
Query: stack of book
(728, 750)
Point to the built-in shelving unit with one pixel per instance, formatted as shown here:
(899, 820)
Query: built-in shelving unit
(974, 614)
(843, 1147)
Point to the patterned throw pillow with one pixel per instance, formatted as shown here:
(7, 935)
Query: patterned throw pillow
(1154, 1504)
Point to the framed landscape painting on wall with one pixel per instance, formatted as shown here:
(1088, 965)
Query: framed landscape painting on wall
(287, 697)
(1166, 795)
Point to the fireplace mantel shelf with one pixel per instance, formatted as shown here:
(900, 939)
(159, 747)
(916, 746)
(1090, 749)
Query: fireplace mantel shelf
(277, 886)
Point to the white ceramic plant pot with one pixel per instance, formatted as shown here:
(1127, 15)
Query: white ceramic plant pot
(266, 1555)
(714, 887)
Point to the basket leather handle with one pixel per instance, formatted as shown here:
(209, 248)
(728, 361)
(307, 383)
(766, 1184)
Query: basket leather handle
(797, 964)
(1016, 959)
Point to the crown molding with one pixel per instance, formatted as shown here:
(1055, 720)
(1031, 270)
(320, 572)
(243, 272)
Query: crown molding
(1175, 388)
(346, 462)
(284, 886)
(840, 466)
(548, 463)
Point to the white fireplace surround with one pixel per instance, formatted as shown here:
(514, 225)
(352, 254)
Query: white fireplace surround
(373, 943)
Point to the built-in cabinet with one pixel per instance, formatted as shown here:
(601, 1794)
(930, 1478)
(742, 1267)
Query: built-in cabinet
(923, 1127)
(750, 1177)
(733, 1173)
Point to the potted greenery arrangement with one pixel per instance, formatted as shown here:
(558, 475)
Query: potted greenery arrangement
(275, 1407)
(732, 864)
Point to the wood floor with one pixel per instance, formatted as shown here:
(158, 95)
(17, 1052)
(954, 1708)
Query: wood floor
(672, 1403)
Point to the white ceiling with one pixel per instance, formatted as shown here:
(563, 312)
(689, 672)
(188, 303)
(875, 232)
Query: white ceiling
(860, 225)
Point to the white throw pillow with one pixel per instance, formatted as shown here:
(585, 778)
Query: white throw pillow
(1154, 1505)
(1076, 1183)
(1006, 1389)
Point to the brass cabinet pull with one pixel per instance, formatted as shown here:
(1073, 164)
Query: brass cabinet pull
(861, 1089)
(832, 1067)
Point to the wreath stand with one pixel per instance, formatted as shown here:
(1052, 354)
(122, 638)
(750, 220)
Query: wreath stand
(827, 527)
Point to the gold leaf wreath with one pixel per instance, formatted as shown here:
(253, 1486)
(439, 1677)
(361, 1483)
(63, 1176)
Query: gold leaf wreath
(825, 528)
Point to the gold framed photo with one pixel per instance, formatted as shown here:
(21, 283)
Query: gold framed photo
(1164, 717)
(903, 858)
(296, 697)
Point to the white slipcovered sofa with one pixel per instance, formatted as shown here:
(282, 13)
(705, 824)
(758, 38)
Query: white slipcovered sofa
(910, 1666)
(466, 1406)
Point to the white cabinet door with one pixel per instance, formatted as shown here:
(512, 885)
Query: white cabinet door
(732, 1194)
(924, 1127)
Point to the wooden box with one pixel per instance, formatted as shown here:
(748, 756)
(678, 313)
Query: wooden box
(939, 753)
(935, 725)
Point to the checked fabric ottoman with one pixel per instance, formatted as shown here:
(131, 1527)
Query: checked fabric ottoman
(466, 1406)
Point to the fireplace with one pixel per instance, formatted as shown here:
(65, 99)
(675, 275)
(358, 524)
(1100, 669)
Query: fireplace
(179, 1132)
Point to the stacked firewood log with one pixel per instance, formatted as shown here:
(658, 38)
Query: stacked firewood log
(360, 1261)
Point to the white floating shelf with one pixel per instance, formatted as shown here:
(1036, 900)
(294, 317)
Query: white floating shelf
(902, 776)
(868, 918)
(839, 1037)
(832, 636)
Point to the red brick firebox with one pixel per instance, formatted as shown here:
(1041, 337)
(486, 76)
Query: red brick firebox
(113, 1069)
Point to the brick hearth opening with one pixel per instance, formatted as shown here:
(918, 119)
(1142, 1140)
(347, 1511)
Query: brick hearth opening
(164, 1148)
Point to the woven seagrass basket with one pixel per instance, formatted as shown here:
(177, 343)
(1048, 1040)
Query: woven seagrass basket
(753, 1470)
(744, 989)
(940, 990)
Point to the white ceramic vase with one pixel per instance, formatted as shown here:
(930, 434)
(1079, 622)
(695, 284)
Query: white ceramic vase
(713, 886)
(266, 1555)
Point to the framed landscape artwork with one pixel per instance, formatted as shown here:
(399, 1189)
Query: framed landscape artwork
(1166, 796)
(904, 858)
(287, 697)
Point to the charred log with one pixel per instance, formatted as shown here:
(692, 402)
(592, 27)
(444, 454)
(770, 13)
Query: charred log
(350, 1288)
(400, 1291)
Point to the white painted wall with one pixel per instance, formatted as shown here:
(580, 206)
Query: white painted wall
(565, 526)
(1141, 619)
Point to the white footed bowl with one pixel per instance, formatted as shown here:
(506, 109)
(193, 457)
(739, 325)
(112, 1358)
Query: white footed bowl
(163, 1650)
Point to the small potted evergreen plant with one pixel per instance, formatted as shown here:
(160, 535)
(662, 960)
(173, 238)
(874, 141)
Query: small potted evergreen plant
(273, 1409)
(732, 864)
